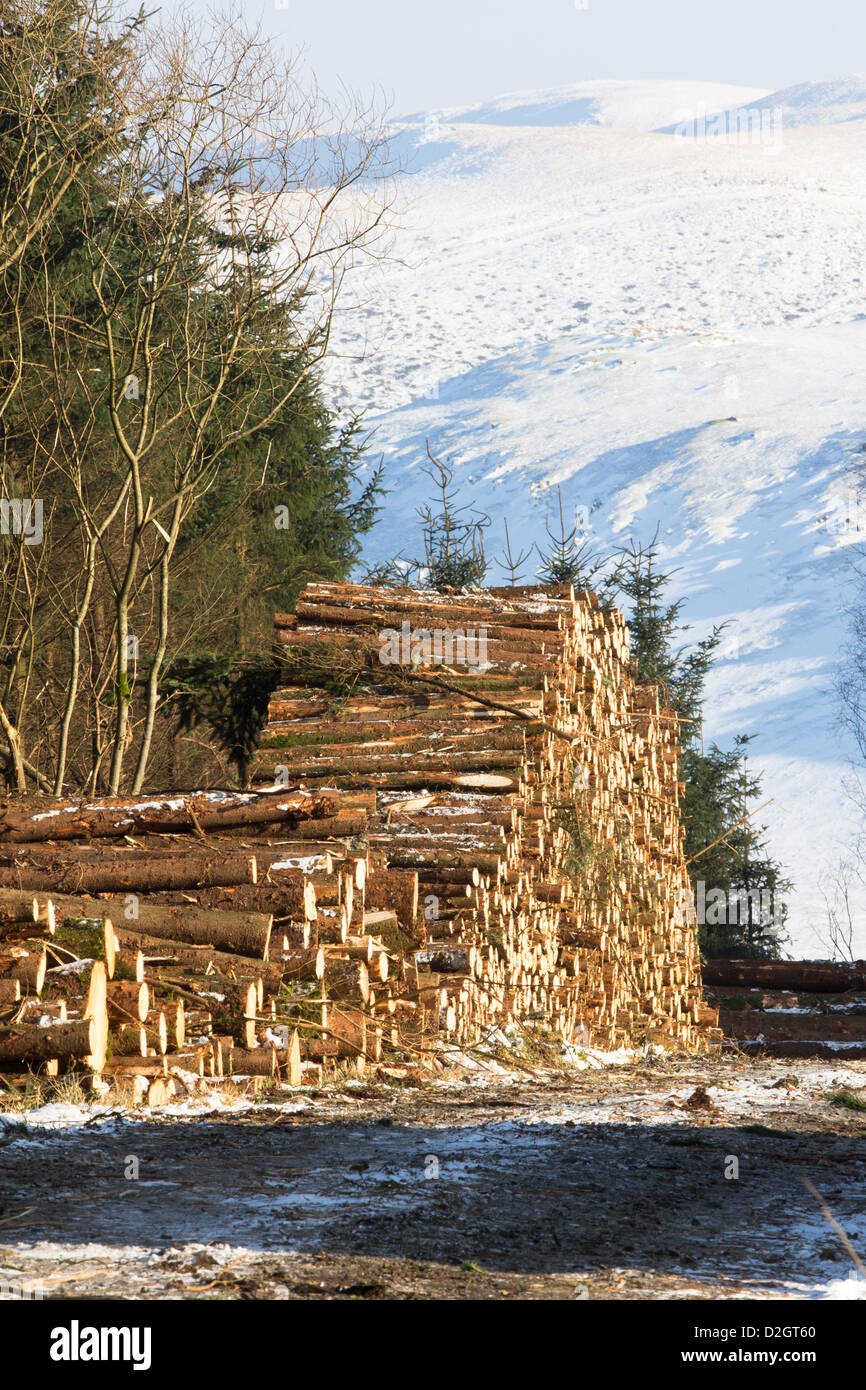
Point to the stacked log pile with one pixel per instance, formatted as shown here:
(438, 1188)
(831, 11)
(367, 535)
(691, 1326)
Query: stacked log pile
(454, 846)
(132, 951)
(532, 786)
(791, 1008)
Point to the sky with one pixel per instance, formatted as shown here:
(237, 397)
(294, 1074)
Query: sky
(425, 54)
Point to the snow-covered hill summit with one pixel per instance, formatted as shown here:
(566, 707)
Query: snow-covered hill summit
(608, 105)
(821, 103)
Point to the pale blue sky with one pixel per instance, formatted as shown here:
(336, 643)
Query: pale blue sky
(451, 52)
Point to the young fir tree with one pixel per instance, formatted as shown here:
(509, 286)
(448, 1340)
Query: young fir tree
(738, 887)
(570, 560)
(513, 561)
(453, 536)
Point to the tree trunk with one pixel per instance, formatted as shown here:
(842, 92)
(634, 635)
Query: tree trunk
(242, 933)
(127, 873)
(116, 817)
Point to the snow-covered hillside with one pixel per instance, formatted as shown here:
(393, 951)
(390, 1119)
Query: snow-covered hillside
(674, 331)
(607, 104)
(821, 103)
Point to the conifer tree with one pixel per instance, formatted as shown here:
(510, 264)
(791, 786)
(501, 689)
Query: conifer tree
(738, 887)
(570, 560)
(453, 536)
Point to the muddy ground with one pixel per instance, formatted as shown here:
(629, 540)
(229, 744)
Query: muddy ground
(659, 1179)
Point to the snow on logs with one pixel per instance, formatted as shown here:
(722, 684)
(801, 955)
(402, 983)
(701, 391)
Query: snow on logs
(445, 848)
(116, 816)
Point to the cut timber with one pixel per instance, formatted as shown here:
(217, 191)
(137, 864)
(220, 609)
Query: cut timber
(28, 967)
(484, 786)
(758, 1025)
(127, 874)
(118, 816)
(346, 979)
(99, 921)
(128, 1001)
(256, 1061)
(817, 977)
(24, 910)
(304, 965)
(291, 1065)
(84, 1041)
(242, 933)
(161, 953)
(393, 890)
(161, 1091)
(287, 900)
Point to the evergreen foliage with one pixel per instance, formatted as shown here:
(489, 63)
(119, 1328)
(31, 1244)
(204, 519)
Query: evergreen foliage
(453, 536)
(571, 560)
(738, 887)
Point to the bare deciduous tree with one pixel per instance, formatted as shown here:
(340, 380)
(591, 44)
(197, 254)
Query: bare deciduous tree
(236, 200)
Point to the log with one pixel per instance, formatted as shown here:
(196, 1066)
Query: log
(242, 933)
(161, 1091)
(304, 965)
(288, 900)
(257, 1061)
(119, 816)
(163, 953)
(776, 1026)
(127, 874)
(84, 1041)
(815, 977)
(346, 979)
(19, 910)
(394, 890)
(367, 949)
(128, 1001)
(28, 967)
(82, 941)
(291, 1062)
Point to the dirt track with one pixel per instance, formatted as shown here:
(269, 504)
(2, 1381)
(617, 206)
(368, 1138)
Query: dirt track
(600, 1184)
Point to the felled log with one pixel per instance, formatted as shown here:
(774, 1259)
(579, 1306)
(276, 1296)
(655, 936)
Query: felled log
(98, 925)
(778, 1026)
(346, 979)
(257, 1061)
(290, 1061)
(243, 933)
(303, 965)
(394, 890)
(85, 1041)
(128, 1001)
(163, 954)
(127, 873)
(816, 977)
(28, 967)
(367, 949)
(285, 899)
(118, 816)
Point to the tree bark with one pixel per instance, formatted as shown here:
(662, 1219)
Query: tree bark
(116, 817)
(242, 933)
